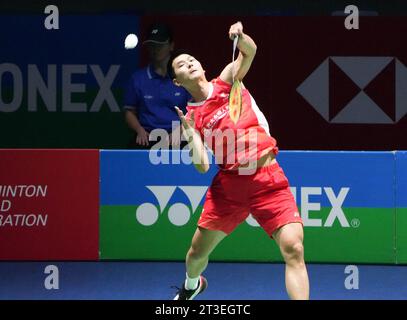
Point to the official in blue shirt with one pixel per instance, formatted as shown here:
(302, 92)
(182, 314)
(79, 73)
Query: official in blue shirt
(151, 95)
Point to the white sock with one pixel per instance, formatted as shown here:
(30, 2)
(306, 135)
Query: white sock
(191, 283)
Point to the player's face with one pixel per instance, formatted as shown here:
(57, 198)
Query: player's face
(187, 68)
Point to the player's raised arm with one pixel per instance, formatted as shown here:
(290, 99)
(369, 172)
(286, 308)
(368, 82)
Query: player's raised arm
(247, 51)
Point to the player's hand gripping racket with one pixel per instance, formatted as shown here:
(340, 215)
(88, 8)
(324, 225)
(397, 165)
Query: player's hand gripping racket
(235, 95)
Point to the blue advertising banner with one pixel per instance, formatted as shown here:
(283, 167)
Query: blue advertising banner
(362, 172)
(401, 206)
(61, 88)
(149, 209)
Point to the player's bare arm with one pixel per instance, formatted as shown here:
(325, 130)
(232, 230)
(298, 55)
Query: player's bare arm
(247, 51)
(199, 155)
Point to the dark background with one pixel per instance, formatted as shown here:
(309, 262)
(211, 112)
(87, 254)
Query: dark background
(293, 38)
(199, 7)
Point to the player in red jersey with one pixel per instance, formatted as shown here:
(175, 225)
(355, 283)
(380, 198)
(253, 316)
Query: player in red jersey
(249, 180)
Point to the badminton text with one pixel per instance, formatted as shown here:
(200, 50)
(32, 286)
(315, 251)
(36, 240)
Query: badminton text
(9, 216)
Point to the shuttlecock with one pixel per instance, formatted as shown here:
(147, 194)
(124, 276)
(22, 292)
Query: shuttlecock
(131, 41)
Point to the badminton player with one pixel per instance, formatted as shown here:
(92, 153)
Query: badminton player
(249, 180)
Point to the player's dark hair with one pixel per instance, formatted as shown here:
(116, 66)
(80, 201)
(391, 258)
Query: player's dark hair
(174, 54)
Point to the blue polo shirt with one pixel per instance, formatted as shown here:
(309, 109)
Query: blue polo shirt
(154, 97)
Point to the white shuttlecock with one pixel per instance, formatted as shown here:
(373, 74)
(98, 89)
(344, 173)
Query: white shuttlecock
(131, 41)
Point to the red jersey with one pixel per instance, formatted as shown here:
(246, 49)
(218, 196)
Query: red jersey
(233, 144)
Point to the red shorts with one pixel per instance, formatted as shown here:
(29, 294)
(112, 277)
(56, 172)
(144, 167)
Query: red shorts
(265, 194)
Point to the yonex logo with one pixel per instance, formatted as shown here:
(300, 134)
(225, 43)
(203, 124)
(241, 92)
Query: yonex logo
(358, 90)
(179, 213)
(310, 209)
(39, 87)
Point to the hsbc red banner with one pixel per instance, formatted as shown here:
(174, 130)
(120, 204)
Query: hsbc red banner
(49, 204)
(339, 89)
(320, 85)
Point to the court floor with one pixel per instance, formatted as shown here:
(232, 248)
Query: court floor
(129, 280)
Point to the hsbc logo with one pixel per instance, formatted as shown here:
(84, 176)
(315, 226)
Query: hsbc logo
(368, 90)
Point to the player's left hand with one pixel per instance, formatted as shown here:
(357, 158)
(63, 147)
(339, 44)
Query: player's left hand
(174, 138)
(186, 123)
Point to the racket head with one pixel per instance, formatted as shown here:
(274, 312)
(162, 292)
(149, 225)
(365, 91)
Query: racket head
(235, 101)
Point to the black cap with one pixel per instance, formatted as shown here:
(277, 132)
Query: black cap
(159, 33)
